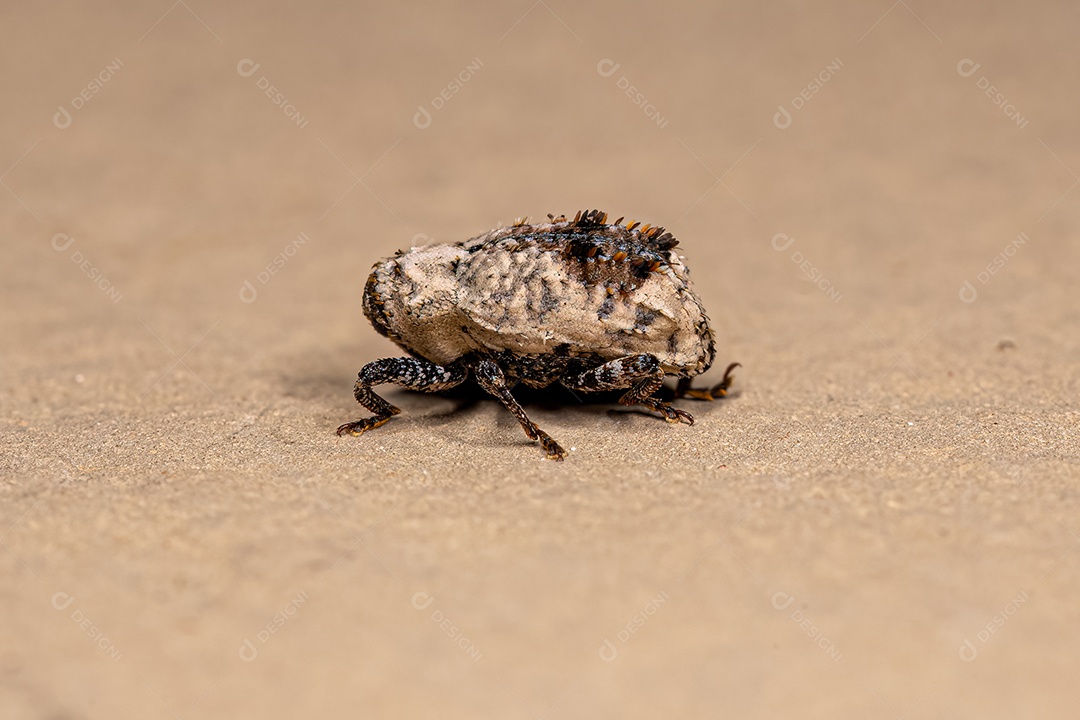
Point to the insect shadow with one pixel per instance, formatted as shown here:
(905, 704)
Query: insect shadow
(554, 398)
(325, 385)
(308, 376)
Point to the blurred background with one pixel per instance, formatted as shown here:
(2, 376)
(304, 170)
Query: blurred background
(877, 201)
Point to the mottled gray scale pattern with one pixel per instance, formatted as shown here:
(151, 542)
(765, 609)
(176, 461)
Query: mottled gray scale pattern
(606, 308)
(526, 289)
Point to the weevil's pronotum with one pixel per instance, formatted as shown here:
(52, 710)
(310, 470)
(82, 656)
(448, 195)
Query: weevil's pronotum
(591, 305)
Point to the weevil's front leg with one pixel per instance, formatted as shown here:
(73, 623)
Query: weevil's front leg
(716, 392)
(641, 373)
(490, 377)
(411, 373)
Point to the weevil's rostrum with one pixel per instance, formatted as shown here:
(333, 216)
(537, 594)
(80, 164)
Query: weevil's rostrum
(589, 304)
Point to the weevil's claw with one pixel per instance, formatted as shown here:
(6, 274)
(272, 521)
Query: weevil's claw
(683, 416)
(720, 389)
(675, 415)
(672, 414)
(361, 426)
(716, 392)
(553, 449)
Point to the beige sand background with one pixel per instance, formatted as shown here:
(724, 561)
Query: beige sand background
(881, 524)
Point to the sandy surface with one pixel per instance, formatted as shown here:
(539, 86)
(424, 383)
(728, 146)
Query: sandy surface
(881, 523)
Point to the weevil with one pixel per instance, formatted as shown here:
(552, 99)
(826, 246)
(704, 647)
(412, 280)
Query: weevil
(592, 305)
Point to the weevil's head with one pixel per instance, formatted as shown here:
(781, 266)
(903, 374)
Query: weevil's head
(412, 297)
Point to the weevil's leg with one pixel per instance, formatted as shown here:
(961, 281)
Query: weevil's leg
(716, 392)
(641, 373)
(411, 373)
(490, 377)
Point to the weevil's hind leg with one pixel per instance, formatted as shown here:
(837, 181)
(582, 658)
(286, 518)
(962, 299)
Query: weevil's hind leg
(490, 377)
(411, 373)
(716, 392)
(641, 373)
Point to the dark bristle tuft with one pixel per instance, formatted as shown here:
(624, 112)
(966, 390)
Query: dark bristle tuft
(666, 241)
(590, 218)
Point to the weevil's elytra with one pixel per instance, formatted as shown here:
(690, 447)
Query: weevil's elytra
(591, 305)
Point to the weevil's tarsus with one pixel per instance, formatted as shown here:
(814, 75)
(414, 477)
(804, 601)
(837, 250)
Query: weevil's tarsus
(716, 392)
(359, 427)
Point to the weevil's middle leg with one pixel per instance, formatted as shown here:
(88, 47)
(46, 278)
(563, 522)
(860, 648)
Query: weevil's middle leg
(490, 377)
(411, 373)
(641, 373)
(716, 392)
